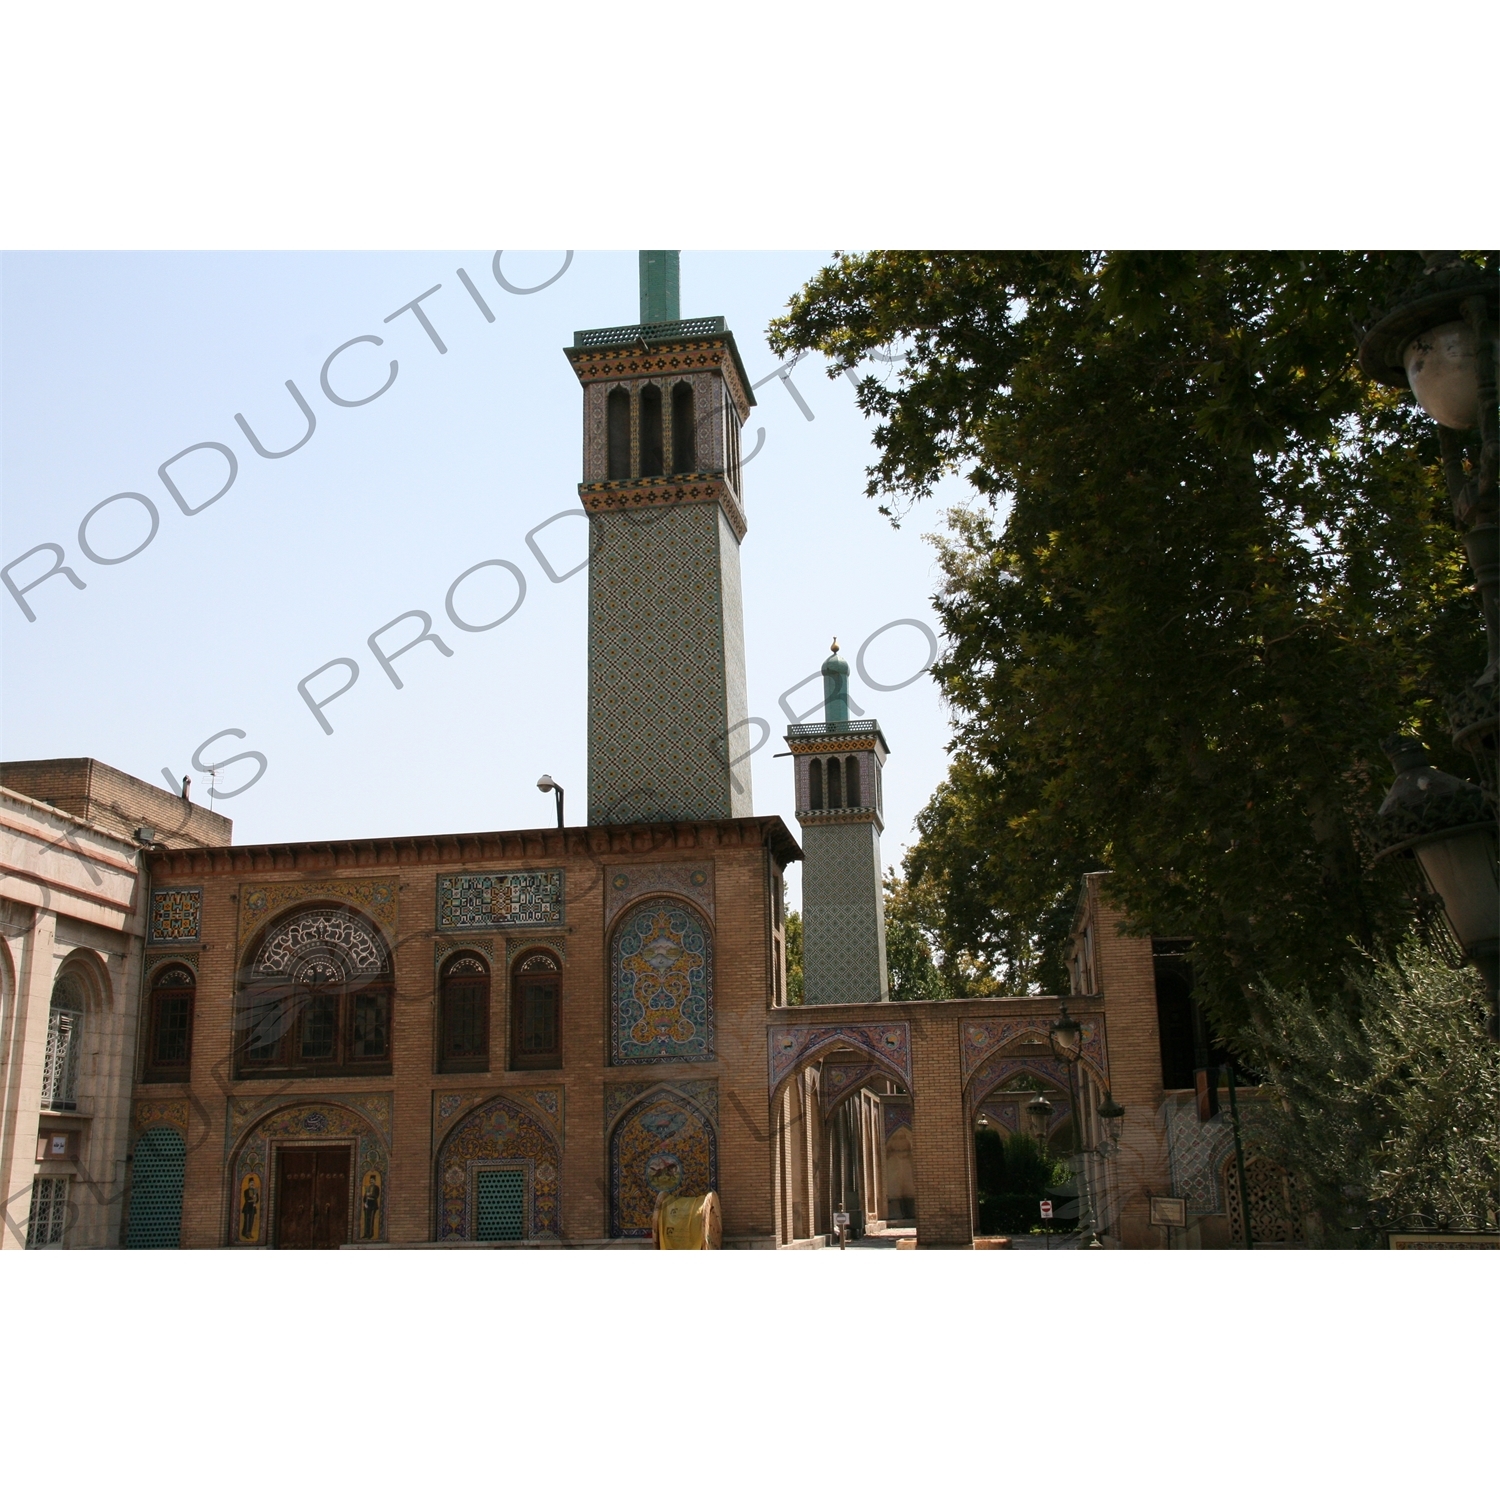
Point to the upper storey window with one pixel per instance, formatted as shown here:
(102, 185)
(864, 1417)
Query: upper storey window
(465, 1022)
(617, 425)
(169, 1043)
(317, 998)
(684, 430)
(64, 1045)
(536, 995)
(851, 782)
(653, 459)
(815, 784)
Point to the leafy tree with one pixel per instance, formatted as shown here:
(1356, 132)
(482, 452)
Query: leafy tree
(1214, 570)
(793, 931)
(908, 946)
(1013, 1177)
(1388, 1117)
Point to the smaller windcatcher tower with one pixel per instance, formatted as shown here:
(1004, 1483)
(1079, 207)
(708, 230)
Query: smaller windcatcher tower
(838, 770)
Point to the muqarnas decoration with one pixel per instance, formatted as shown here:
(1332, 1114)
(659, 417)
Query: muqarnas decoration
(661, 985)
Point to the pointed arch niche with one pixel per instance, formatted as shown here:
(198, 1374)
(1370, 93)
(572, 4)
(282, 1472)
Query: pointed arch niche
(663, 1139)
(499, 1176)
(842, 1111)
(661, 967)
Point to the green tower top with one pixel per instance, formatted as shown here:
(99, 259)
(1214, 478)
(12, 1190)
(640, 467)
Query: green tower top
(660, 299)
(836, 687)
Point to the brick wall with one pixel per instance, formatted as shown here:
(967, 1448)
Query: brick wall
(743, 990)
(116, 801)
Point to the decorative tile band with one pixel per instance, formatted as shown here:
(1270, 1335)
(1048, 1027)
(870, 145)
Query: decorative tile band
(889, 1047)
(375, 897)
(643, 494)
(176, 915)
(160, 1112)
(517, 898)
(977, 1039)
(626, 883)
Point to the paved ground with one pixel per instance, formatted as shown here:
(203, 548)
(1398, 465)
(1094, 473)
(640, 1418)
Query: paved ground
(885, 1239)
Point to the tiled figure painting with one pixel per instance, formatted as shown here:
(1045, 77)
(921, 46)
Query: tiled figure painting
(175, 916)
(661, 985)
(662, 1145)
(525, 898)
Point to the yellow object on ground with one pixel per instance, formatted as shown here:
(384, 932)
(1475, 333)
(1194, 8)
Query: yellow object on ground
(687, 1223)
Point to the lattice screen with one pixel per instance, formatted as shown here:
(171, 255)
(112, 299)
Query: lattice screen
(156, 1191)
(49, 1212)
(502, 1202)
(1275, 1217)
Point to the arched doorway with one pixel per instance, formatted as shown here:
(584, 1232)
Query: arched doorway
(842, 1111)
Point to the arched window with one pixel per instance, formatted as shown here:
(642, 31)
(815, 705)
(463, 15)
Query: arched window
(317, 997)
(535, 1006)
(464, 1045)
(835, 794)
(64, 1044)
(684, 433)
(815, 784)
(851, 782)
(653, 460)
(169, 1039)
(617, 423)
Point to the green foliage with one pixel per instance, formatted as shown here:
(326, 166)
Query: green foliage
(1013, 1177)
(793, 930)
(908, 947)
(1216, 569)
(1389, 1106)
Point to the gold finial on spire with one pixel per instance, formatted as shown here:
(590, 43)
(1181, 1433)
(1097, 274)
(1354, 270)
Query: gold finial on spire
(834, 648)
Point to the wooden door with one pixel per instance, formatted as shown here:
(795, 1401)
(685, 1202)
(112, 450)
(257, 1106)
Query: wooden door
(312, 1200)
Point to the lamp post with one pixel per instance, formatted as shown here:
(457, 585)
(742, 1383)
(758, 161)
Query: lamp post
(547, 784)
(1441, 342)
(1066, 1039)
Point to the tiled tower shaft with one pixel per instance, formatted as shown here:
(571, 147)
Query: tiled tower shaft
(664, 401)
(838, 791)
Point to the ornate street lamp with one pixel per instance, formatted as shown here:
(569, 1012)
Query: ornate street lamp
(1113, 1117)
(1441, 341)
(1445, 823)
(547, 784)
(1039, 1112)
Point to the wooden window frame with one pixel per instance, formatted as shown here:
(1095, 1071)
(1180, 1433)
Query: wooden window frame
(286, 1063)
(155, 1070)
(521, 1061)
(480, 1062)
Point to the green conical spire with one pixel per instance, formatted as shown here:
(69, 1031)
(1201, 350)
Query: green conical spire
(660, 302)
(836, 688)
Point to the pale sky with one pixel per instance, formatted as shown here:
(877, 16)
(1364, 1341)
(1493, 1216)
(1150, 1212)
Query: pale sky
(115, 362)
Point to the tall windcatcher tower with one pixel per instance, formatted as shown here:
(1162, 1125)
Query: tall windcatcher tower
(838, 770)
(663, 403)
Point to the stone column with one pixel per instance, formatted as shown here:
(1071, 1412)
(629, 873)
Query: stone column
(22, 1084)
